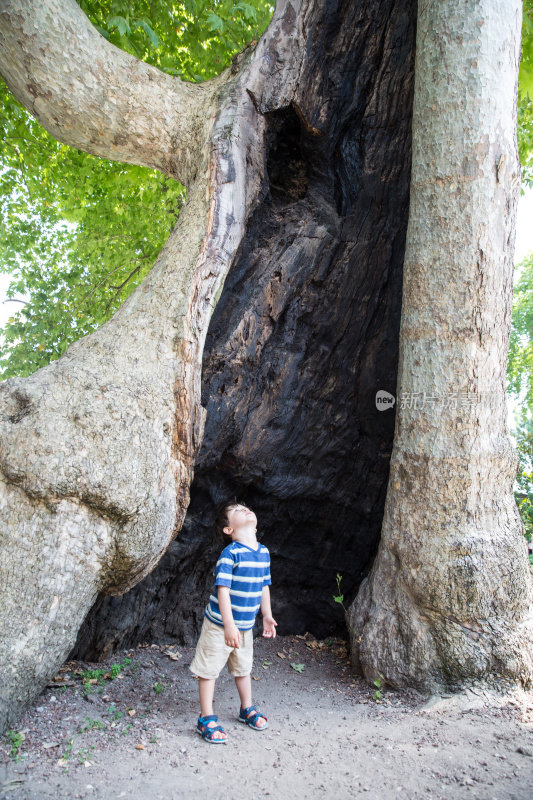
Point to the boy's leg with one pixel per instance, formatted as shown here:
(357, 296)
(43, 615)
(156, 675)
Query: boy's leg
(206, 687)
(240, 666)
(244, 687)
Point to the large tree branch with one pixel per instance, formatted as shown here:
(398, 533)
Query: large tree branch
(91, 95)
(97, 449)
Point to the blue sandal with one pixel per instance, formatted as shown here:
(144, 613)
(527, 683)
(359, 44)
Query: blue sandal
(206, 731)
(252, 719)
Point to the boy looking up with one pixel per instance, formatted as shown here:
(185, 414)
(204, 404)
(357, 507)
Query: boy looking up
(242, 580)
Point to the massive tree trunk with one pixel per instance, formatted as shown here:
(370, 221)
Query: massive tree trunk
(296, 161)
(449, 599)
(97, 449)
(304, 334)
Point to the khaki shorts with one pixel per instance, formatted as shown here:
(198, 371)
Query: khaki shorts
(212, 653)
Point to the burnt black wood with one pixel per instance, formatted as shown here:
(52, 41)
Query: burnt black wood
(305, 333)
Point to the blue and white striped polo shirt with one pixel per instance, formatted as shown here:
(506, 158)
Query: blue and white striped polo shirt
(245, 571)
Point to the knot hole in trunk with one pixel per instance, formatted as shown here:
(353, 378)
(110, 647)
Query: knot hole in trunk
(286, 163)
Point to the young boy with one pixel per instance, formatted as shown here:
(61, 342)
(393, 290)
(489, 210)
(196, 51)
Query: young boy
(242, 580)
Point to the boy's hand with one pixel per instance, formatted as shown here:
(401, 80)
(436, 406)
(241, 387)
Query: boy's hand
(232, 636)
(269, 627)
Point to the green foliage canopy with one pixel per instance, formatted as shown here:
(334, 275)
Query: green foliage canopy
(78, 233)
(525, 95)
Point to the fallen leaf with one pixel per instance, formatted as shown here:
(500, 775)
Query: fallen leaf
(282, 655)
(255, 679)
(174, 656)
(61, 762)
(140, 747)
(132, 712)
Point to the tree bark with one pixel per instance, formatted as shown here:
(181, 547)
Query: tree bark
(97, 449)
(304, 333)
(449, 599)
(90, 95)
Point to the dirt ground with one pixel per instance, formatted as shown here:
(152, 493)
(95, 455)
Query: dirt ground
(131, 733)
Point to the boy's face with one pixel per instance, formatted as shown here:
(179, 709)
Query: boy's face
(240, 518)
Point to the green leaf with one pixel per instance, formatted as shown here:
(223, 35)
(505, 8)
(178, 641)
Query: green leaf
(298, 667)
(148, 30)
(78, 233)
(248, 11)
(214, 22)
(121, 24)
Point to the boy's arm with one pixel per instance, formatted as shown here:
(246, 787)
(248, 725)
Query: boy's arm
(231, 632)
(269, 623)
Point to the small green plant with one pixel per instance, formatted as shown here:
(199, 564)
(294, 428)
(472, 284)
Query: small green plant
(153, 739)
(93, 675)
(339, 598)
(84, 753)
(117, 668)
(127, 729)
(90, 724)
(68, 750)
(378, 684)
(114, 712)
(15, 739)
(158, 687)
(98, 676)
(298, 667)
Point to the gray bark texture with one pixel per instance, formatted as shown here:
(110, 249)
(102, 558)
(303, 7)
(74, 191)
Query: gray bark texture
(97, 449)
(304, 333)
(449, 599)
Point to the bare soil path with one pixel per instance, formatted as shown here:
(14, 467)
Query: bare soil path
(130, 733)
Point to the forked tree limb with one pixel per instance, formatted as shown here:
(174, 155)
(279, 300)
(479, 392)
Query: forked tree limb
(91, 95)
(97, 449)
